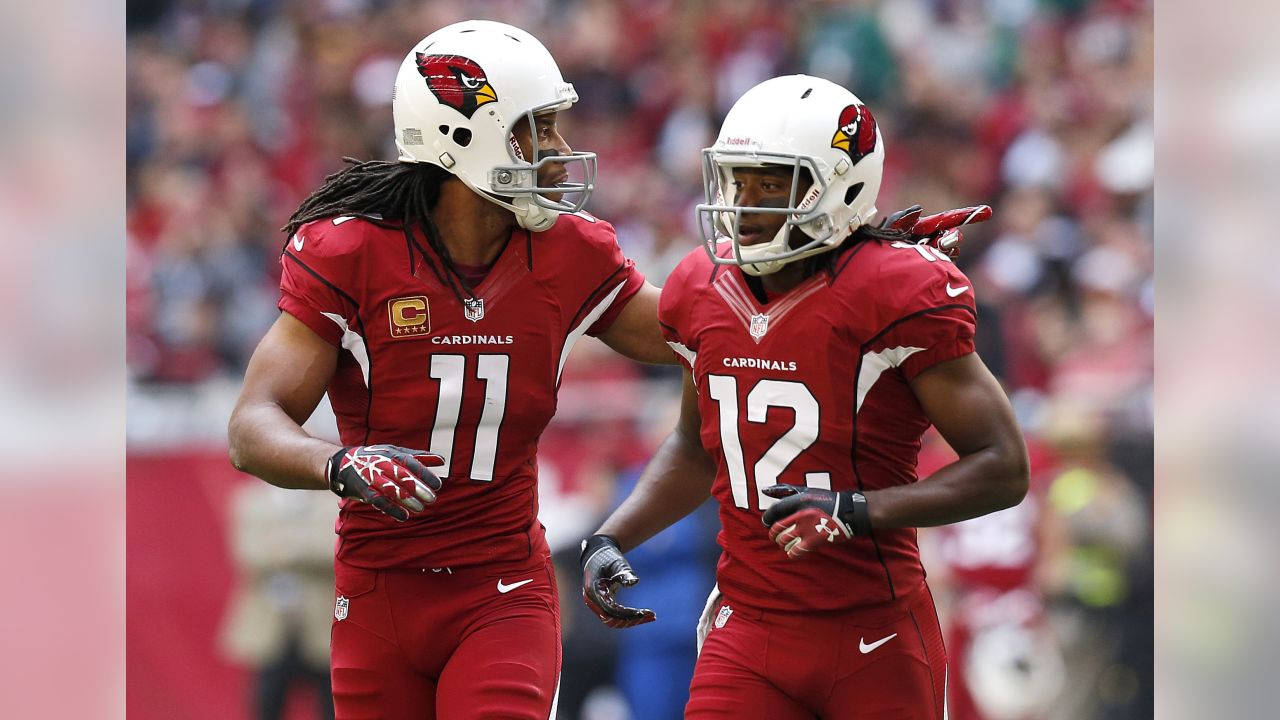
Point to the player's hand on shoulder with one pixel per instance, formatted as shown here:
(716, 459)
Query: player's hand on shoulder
(604, 572)
(393, 479)
(806, 518)
(940, 230)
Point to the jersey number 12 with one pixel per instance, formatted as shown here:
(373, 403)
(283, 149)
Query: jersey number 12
(803, 433)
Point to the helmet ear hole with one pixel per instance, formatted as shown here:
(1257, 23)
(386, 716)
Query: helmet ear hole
(852, 193)
(462, 136)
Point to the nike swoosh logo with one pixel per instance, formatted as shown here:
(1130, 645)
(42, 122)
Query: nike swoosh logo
(297, 242)
(504, 589)
(955, 292)
(865, 648)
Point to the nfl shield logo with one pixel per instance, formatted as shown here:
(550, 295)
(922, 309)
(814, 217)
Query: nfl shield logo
(723, 617)
(340, 610)
(759, 325)
(473, 308)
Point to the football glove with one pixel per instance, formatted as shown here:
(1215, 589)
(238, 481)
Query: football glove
(804, 518)
(941, 230)
(393, 479)
(604, 572)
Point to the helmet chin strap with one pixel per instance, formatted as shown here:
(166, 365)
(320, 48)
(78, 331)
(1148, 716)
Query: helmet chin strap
(762, 268)
(766, 265)
(529, 214)
(536, 218)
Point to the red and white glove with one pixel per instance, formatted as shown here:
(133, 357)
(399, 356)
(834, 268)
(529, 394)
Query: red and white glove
(941, 230)
(393, 479)
(806, 518)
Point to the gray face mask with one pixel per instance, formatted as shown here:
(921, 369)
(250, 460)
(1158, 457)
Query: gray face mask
(719, 220)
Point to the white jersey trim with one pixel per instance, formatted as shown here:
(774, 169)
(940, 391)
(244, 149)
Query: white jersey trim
(353, 343)
(555, 699)
(709, 611)
(945, 679)
(577, 333)
(690, 356)
(874, 364)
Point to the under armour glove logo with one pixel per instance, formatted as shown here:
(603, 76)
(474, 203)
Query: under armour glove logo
(823, 527)
(393, 479)
(604, 572)
(804, 518)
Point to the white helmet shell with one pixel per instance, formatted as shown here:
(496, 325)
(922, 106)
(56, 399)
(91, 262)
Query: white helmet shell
(458, 96)
(1014, 671)
(809, 124)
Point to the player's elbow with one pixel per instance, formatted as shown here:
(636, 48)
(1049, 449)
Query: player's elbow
(1013, 472)
(237, 457)
(237, 443)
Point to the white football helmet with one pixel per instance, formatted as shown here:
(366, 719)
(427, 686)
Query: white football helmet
(1014, 671)
(458, 96)
(811, 125)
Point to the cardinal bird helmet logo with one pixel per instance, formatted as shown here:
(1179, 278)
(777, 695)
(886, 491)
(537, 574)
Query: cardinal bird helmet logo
(856, 132)
(456, 81)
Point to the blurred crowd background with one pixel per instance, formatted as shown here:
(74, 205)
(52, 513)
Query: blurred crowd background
(1042, 108)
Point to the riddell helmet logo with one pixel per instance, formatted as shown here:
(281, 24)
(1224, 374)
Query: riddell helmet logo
(856, 132)
(456, 81)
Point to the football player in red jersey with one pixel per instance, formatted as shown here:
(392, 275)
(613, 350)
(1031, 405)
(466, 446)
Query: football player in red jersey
(436, 298)
(817, 350)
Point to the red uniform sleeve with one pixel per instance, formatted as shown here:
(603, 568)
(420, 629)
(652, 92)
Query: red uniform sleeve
(674, 306)
(598, 269)
(945, 334)
(633, 280)
(317, 267)
(930, 312)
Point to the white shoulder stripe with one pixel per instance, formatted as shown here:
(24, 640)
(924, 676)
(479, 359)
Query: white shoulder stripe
(690, 356)
(354, 343)
(875, 363)
(577, 333)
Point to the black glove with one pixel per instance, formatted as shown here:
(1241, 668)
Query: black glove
(604, 571)
(805, 517)
(393, 479)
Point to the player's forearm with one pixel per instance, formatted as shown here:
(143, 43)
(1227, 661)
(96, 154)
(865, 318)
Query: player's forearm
(676, 481)
(265, 442)
(982, 482)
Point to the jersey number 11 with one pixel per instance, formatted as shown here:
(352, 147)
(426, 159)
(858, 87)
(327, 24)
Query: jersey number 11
(451, 371)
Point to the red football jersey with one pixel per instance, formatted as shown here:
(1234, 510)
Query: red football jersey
(812, 388)
(474, 381)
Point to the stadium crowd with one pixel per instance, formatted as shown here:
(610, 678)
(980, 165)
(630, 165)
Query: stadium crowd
(1040, 108)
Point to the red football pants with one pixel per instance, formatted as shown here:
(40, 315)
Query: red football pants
(780, 666)
(448, 644)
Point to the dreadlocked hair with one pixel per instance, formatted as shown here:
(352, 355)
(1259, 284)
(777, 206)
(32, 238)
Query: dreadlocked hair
(826, 261)
(884, 234)
(391, 195)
